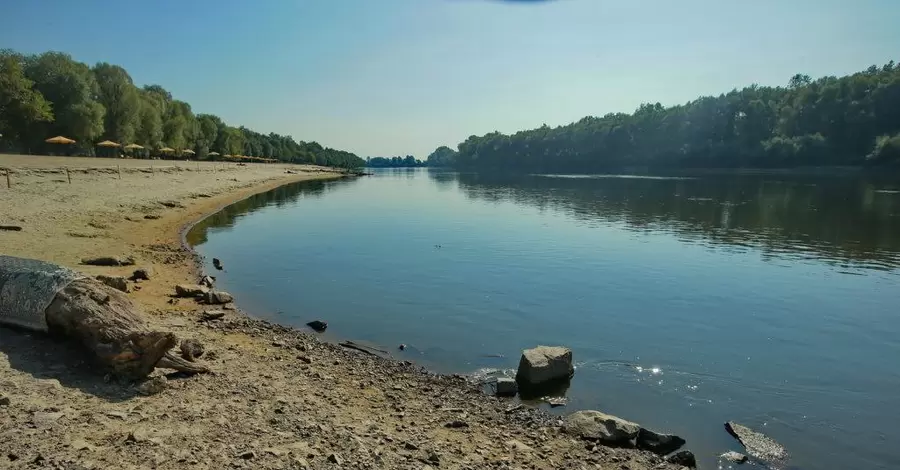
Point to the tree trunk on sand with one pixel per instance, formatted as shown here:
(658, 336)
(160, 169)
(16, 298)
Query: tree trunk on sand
(106, 322)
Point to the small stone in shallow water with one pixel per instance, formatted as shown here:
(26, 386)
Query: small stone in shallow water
(735, 457)
(506, 387)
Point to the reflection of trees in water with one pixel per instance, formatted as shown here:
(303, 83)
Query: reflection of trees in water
(838, 219)
(277, 197)
(442, 178)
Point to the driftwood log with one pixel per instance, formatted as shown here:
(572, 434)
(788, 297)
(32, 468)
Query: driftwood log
(107, 323)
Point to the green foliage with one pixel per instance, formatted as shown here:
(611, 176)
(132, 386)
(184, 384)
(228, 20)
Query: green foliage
(52, 94)
(887, 149)
(442, 156)
(828, 121)
(408, 161)
(21, 106)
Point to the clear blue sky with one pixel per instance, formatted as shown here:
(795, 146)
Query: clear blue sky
(388, 77)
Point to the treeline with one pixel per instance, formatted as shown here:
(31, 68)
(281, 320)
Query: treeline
(394, 162)
(51, 94)
(847, 121)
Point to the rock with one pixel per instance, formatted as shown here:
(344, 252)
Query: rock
(4, 401)
(108, 261)
(212, 315)
(684, 458)
(116, 282)
(44, 420)
(335, 459)
(152, 386)
(191, 349)
(506, 387)
(556, 402)
(190, 290)
(141, 435)
(402, 347)
(142, 274)
(518, 446)
(594, 425)
(217, 297)
(318, 325)
(208, 281)
(152, 217)
(735, 457)
(758, 445)
(11, 228)
(304, 359)
(660, 444)
(456, 424)
(545, 364)
(217, 263)
(80, 444)
(247, 455)
(410, 446)
(300, 463)
(434, 458)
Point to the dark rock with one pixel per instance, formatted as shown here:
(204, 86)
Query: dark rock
(304, 359)
(401, 347)
(151, 217)
(116, 282)
(4, 401)
(734, 457)
(190, 290)
(684, 458)
(11, 228)
(410, 446)
(594, 425)
(217, 297)
(108, 261)
(758, 445)
(212, 315)
(217, 263)
(318, 325)
(545, 364)
(142, 274)
(335, 459)
(191, 349)
(506, 387)
(658, 443)
(208, 281)
(247, 455)
(434, 458)
(456, 424)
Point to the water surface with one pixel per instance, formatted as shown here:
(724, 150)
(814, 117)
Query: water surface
(689, 301)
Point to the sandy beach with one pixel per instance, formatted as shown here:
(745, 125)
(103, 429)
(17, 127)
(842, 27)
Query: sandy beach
(276, 398)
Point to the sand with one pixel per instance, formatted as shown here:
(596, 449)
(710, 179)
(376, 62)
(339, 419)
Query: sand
(277, 398)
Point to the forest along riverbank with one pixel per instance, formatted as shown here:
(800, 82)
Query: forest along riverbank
(277, 397)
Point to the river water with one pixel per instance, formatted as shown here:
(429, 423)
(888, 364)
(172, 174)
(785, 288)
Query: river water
(769, 300)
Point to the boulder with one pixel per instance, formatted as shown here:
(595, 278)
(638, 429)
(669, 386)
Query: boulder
(142, 274)
(191, 349)
(208, 281)
(685, 458)
(217, 264)
(545, 364)
(318, 325)
(108, 261)
(217, 297)
(190, 290)
(506, 387)
(658, 443)
(212, 315)
(594, 425)
(116, 282)
(758, 445)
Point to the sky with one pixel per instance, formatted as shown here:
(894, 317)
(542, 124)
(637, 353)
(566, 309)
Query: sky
(398, 77)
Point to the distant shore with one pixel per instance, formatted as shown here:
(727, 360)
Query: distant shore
(277, 397)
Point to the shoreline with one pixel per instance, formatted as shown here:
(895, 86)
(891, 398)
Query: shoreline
(278, 397)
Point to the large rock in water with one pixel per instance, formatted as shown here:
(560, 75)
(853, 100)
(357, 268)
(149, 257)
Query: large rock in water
(658, 443)
(545, 364)
(594, 425)
(758, 445)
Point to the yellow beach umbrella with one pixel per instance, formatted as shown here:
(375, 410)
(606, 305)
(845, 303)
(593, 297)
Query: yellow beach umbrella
(214, 154)
(132, 147)
(108, 143)
(188, 151)
(167, 149)
(59, 140)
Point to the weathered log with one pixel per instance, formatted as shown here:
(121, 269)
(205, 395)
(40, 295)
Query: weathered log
(107, 323)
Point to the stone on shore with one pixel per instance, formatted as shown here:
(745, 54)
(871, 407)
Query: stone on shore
(318, 325)
(609, 429)
(217, 297)
(658, 443)
(545, 364)
(506, 387)
(116, 282)
(142, 274)
(190, 290)
(684, 458)
(108, 261)
(758, 445)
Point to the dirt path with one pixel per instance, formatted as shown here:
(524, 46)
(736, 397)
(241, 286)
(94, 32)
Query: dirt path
(277, 399)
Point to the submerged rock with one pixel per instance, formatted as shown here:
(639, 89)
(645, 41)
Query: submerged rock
(595, 425)
(318, 325)
(758, 445)
(735, 457)
(217, 264)
(658, 443)
(545, 364)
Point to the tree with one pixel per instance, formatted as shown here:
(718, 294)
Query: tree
(21, 106)
(73, 90)
(149, 128)
(442, 156)
(120, 98)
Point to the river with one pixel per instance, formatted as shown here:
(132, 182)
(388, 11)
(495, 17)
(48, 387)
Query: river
(771, 300)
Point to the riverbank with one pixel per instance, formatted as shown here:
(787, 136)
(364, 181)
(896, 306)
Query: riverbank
(277, 397)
